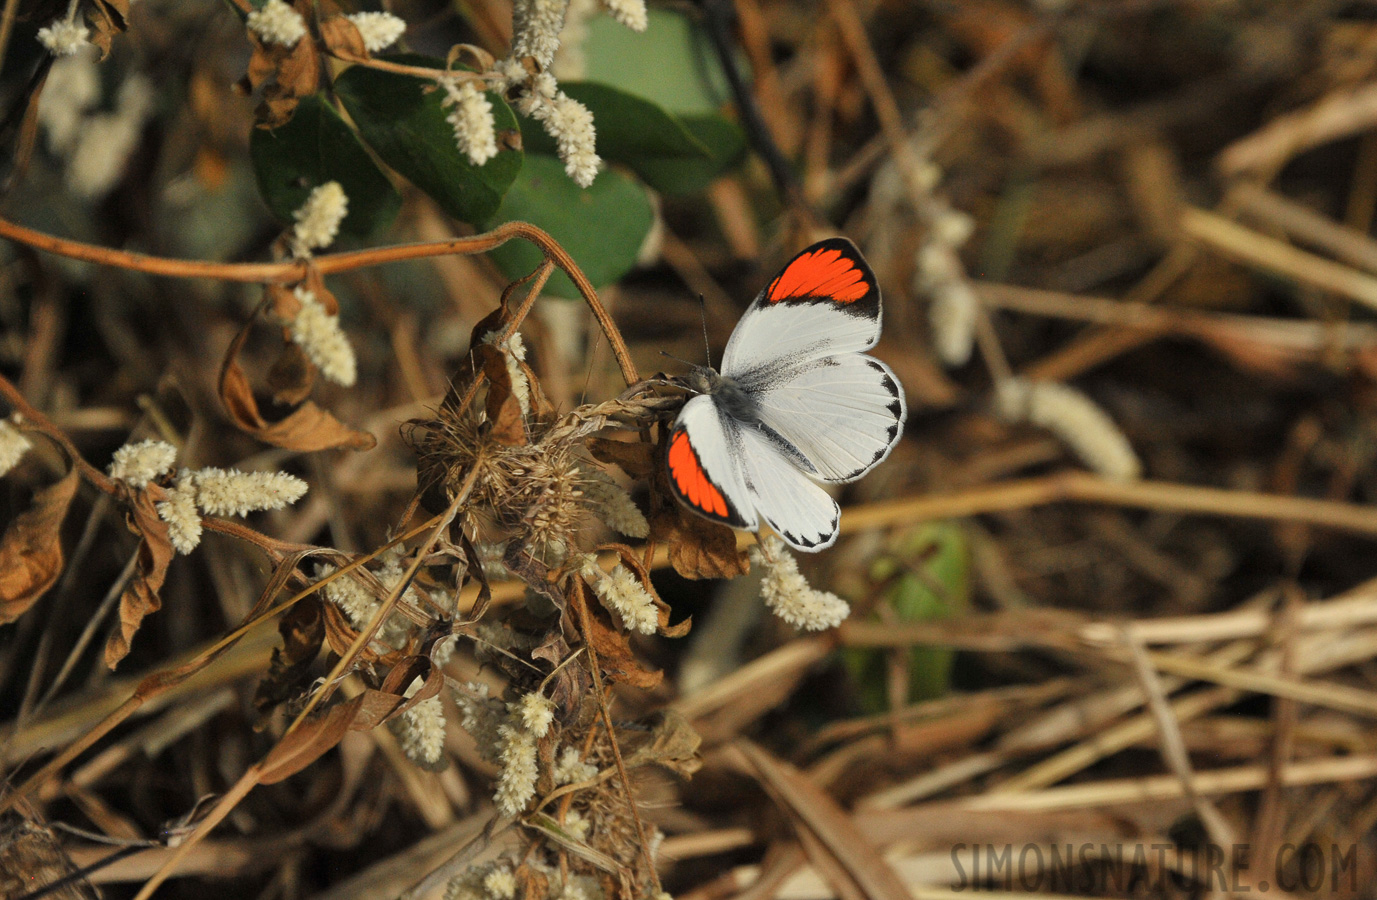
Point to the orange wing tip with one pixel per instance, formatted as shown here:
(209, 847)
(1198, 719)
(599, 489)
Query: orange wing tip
(820, 273)
(693, 484)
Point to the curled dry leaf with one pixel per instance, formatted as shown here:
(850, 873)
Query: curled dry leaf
(110, 18)
(141, 596)
(286, 74)
(340, 635)
(31, 550)
(503, 409)
(671, 744)
(306, 428)
(611, 644)
(310, 741)
(303, 632)
(341, 37)
(636, 459)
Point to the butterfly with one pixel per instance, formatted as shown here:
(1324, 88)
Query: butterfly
(797, 401)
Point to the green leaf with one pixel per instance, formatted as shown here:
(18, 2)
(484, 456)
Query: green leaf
(317, 146)
(726, 144)
(602, 227)
(405, 124)
(929, 578)
(677, 155)
(687, 78)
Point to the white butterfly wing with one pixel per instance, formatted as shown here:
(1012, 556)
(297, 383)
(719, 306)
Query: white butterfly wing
(794, 505)
(824, 302)
(844, 413)
(705, 464)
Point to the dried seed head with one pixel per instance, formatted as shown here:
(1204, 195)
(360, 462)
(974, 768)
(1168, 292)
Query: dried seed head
(517, 782)
(622, 592)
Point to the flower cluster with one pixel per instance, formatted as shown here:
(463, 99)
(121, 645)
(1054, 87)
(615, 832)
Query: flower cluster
(320, 335)
(1075, 419)
(622, 593)
(470, 115)
(379, 30)
(138, 464)
(220, 492)
(421, 729)
(939, 273)
(277, 23)
(65, 37)
(319, 218)
(788, 594)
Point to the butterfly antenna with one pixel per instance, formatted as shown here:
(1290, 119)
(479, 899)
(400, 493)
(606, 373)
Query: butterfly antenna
(703, 315)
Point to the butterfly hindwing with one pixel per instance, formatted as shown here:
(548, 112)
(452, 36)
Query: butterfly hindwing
(824, 302)
(797, 509)
(704, 468)
(843, 413)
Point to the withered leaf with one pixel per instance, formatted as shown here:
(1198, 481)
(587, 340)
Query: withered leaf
(286, 74)
(309, 742)
(292, 376)
(531, 884)
(341, 36)
(697, 548)
(340, 635)
(111, 17)
(307, 428)
(635, 458)
(390, 700)
(141, 598)
(31, 550)
(570, 683)
(612, 646)
(504, 410)
(672, 744)
(303, 631)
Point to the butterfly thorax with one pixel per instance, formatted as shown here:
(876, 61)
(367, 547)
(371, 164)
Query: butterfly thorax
(730, 396)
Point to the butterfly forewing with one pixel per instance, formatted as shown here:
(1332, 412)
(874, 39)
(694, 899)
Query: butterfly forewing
(704, 471)
(824, 302)
(844, 413)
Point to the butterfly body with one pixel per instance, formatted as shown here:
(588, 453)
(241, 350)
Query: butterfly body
(796, 401)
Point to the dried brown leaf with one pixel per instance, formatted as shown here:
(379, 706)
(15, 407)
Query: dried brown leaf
(339, 35)
(612, 646)
(672, 744)
(504, 410)
(141, 598)
(303, 632)
(635, 458)
(311, 740)
(31, 550)
(836, 831)
(286, 74)
(111, 18)
(307, 428)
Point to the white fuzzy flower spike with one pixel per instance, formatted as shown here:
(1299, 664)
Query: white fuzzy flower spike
(517, 783)
(325, 343)
(234, 493)
(319, 218)
(536, 25)
(630, 13)
(64, 37)
(571, 125)
(138, 464)
(622, 592)
(180, 513)
(470, 116)
(277, 23)
(535, 711)
(13, 446)
(788, 593)
(379, 30)
(421, 729)
(1075, 419)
